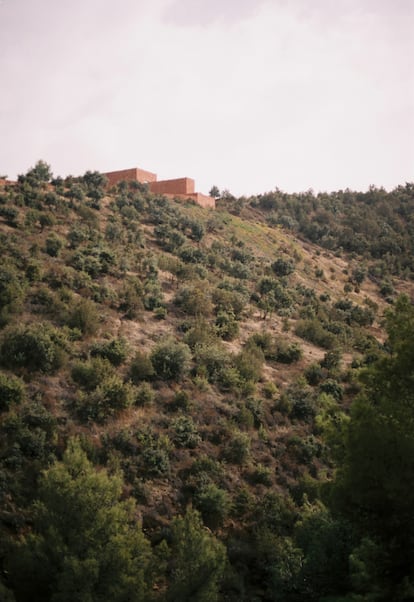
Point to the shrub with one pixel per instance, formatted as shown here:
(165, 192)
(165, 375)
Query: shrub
(171, 360)
(229, 378)
(238, 449)
(11, 293)
(11, 215)
(270, 390)
(331, 359)
(114, 351)
(261, 475)
(107, 400)
(229, 301)
(283, 267)
(154, 454)
(153, 296)
(54, 245)
(185, 432)
(194, 300)
(312, 330)
(314, 374)
(287, 353)
(38, 347)
(11, 391)
(145, 394)
(249, 363)
(303, 408)
(181, 401)
(90, 374)
(84, 316)
(141, 367)
(333, 388)
(213, 503)
(131, 299)
(227, 326)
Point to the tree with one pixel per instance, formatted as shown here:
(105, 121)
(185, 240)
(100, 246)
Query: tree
(86, 544)
(40, 173)
(373, 488)
(214, 192)
(198, 561)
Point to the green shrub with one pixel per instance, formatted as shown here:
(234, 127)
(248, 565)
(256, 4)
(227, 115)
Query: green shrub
(115, 351)
(286, 353)
(227, 326)
(171, 360)
(154, 455)
(37, 347)
(131, 299)
(303, 408)
(194, 300)
(261, 475)
(90, 374)
(106, 401)
(145, 394)
(314, 374)
(238, 448)
(312, 330)
(11, 391)
(270, 390)
(229, 301)
(185, 432)
(153, 296)
(181, 401)
(213, 503)
(160, 313)
(141, 367)
(11, 293)
(283, 267)
(229, 379)
(333, 388)
(54, 245)
(85, 317)
(249, 363)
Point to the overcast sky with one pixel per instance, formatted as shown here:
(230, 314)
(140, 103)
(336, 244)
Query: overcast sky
(247, 95)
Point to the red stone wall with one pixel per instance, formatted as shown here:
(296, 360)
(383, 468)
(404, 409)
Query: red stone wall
(183, 188)
(4, 182)
(200, 199)
(204, 200)
(176, 186)
(135, 174)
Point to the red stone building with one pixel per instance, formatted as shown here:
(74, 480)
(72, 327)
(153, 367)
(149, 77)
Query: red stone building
(135, 174)
(182, 188)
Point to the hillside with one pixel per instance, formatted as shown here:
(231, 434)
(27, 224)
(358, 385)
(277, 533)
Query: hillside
(204, 358)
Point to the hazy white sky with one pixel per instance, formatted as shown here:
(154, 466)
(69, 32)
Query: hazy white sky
(244, 94)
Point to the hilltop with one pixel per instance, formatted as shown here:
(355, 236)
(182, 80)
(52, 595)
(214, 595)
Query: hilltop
(210, 357)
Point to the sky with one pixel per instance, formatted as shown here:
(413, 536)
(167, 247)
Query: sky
(246, 95)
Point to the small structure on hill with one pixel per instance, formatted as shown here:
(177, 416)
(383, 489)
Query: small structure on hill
(182, 188)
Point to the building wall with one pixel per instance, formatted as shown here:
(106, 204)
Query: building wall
(134, 174)
(201, 199)
(176, 186)
(4, 182)
(182, 188)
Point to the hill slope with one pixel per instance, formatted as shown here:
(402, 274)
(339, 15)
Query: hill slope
(208, 355)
